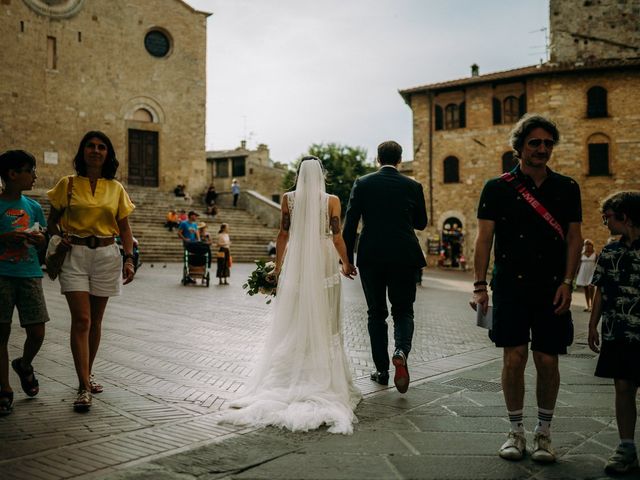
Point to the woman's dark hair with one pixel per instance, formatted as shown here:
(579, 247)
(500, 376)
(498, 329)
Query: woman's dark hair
(222, 227)
(624, 203)
(15, 160)
(526, 125)
(304, 159)
(111, 163)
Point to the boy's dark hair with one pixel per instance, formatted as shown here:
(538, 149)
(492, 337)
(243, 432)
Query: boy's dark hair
(111, 163)
(15, 160)
(525, 125)
(624, 203)
(389, 153)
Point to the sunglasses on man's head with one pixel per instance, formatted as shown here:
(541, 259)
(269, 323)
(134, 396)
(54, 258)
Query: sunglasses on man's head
(536, 142)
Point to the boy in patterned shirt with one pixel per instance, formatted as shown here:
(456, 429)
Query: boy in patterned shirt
(20, 272)
(617, 299)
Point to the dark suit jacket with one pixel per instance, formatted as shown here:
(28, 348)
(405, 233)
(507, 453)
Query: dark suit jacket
(391, 206)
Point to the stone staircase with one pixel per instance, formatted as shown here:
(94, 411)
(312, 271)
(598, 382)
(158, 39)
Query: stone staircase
(249, 237)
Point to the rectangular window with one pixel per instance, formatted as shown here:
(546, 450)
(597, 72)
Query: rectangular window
(222, 168)
(598, 159)
(52, 54)
(238, 167)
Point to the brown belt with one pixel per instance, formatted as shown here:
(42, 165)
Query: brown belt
(92, 241)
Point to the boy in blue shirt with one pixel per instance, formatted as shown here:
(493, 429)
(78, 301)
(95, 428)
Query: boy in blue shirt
(20, 272)
(617, 302)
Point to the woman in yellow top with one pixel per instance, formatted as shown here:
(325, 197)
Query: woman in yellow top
(89, 219)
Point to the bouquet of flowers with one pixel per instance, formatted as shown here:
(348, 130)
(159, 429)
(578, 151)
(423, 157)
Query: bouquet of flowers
(262, 280)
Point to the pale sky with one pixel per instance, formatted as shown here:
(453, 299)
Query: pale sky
(290, 73)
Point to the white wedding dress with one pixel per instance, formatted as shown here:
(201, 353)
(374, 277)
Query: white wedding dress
(303, 379)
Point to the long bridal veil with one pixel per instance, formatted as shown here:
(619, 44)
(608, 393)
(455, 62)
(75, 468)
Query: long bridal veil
(303, 379)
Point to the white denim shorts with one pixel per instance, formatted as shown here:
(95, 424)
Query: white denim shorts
(97, 271)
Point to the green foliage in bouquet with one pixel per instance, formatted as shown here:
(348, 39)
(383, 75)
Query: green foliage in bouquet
(262, 280)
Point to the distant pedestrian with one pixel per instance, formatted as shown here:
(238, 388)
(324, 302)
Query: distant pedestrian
(617, 302)
(224, 255)
(235, 191)
(585, 272)
(210, 196)
(20, 272)
(534, 216)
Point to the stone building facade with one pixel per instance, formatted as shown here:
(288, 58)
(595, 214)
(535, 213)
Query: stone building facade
(594, 29)
(253, 169)
(134, 69)
(461, 129)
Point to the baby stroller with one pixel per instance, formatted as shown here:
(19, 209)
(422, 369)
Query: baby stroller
(197, 261)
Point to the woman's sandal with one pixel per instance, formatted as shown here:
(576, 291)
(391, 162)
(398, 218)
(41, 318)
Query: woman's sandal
(30, 387)
(6, 403)
(83, 401)
(95, 386)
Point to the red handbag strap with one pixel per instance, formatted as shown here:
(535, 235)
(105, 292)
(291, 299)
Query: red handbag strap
(533, 201)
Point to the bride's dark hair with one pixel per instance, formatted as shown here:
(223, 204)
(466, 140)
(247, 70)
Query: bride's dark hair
(304, 159)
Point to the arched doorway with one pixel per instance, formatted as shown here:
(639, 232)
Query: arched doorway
(452, 245)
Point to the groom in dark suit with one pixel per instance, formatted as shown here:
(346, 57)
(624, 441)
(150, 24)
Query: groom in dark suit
(391, 206)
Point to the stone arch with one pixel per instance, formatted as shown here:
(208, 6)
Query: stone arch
(143, 115)
(58, 9)
(148, 104)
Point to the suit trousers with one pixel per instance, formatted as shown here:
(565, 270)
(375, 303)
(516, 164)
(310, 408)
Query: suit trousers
(400, 284)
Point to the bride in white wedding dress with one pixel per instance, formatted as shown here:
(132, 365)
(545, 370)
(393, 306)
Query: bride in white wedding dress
(303, 379)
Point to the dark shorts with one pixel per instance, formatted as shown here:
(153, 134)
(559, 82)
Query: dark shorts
(26, 294)
(619, 359)
(518, 321)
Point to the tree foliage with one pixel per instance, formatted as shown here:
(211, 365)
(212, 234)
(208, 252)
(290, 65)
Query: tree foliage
(343, 164)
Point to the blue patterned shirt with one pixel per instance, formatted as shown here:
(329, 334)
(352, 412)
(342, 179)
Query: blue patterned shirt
(618, 276)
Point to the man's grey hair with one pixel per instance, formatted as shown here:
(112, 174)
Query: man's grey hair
(529, 122)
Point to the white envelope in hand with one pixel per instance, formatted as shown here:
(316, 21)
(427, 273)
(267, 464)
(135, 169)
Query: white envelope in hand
(484, 320)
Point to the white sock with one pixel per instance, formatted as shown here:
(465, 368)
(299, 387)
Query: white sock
(516, 419)
(544, 421)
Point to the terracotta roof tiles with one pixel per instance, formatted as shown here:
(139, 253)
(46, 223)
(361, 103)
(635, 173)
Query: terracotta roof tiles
(541, 69)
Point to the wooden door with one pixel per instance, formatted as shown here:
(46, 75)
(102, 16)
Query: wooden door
(143, 158)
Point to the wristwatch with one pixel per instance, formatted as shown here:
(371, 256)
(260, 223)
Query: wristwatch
(568, 281)
(127, 256)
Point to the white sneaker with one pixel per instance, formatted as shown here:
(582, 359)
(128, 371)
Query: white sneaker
(514, 447)
(542, 451)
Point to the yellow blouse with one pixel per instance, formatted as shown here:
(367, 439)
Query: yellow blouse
(91, 214)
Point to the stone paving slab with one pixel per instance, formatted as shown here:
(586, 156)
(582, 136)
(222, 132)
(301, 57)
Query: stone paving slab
(407, 443)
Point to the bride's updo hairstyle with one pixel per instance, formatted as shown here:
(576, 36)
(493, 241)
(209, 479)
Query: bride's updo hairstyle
(306, 159)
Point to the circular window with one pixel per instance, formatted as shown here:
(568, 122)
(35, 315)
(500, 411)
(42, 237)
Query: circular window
(157, 43)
